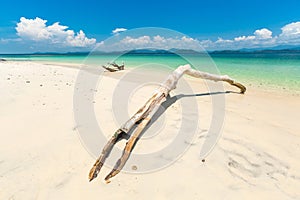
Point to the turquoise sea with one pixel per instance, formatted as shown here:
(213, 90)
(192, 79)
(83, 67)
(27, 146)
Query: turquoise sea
(276, 70)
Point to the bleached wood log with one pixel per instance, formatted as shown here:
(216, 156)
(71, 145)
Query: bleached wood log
(144, 115)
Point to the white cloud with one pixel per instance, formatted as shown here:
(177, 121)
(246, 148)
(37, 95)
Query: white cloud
(291, 30)
(79, 40)
(222, 41)
(159, 38)
(157, 41)
(187, 39)
(244, 38)
(119, 30)
(37, 30)
(263, 34)
(206, 43)
(290, 33)
(139, 41)
(34, 29)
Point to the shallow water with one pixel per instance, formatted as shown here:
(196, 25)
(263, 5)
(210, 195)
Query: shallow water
(281, 71)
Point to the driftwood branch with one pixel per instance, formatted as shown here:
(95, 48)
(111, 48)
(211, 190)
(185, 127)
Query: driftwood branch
(113, 67)
(119, 67)
(144, 115)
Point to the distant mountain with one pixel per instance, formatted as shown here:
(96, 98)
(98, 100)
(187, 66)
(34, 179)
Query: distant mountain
(280, 47)
(51, 53)
(276, 49)
(284, 47)
(149, 51)
(184, 51)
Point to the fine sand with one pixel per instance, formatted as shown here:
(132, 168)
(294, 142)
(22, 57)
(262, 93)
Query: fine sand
(43, 157)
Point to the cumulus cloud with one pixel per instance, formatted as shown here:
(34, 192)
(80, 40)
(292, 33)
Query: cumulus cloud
(263, 34)
(223, 41)
(139, 41)
(244, 38)
(290, 34)
(291, 30)
(259, 34)
(37, 30)
(119, 30)
(160, 42)
(34, 29)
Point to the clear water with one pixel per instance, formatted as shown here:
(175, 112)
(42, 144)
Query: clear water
(281, 71)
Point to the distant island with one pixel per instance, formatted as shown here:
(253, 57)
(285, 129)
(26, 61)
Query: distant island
(278, 49)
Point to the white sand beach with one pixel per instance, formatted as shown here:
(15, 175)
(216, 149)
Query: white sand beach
(42, 155)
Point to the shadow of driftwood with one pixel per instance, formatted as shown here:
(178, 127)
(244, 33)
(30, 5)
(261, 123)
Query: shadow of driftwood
(171, 100)
(164, 106)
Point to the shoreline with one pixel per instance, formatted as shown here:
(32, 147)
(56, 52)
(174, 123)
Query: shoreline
(260, 87)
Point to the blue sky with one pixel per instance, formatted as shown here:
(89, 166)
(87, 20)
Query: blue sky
(230, 24)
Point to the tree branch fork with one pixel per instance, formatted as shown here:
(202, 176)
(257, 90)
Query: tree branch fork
(143, 116)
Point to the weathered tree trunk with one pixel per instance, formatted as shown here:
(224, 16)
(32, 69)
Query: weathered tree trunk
(144, 115)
